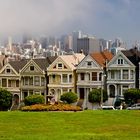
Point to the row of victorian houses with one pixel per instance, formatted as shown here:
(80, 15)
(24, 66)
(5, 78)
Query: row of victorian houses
(53, 76)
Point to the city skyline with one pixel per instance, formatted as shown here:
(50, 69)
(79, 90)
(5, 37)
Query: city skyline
(106, 19)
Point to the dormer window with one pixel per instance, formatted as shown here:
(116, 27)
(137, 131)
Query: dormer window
(120, 61)
(89, 63)
(59, 65)
(31, 68)
(8, 71)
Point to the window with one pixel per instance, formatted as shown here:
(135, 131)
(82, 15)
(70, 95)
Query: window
(82, 76)
(26, 81)
(125, 74)
(4, 82)
(42, 81)
(70, 78)
(9, 83)
(100, 76)
(120, 61)
(8, 71)
(59, 65)
(31, 68)
(132, 74)
(89, 63)
(31, 81)
(64, 78)
(37, 81)
(118, 74)
(94, 76)
(53, 78)
(17, 83)
(112, 74)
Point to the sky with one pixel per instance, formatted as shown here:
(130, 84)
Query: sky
(106, 19)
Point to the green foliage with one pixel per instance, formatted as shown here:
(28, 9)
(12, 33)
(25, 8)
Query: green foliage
(132, 95)
(34, 99)
(69, 97)
(95, 96)
(5, 99)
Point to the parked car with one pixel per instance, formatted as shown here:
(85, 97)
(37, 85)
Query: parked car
(134, 107)
(108, 108)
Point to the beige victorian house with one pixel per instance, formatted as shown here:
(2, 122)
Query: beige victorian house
(10, 78)
(62, 75)
(33, 77)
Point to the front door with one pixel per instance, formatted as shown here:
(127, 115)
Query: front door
(82, 93)
(16, 99)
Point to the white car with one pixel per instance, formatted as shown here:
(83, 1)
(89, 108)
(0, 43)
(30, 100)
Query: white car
(108, 108)
(134, 107)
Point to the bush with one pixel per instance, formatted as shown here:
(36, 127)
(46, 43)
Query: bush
(5, 99)
(131, 96)
(95, 96)
(55, 107)
(34, 99)
(69, 97)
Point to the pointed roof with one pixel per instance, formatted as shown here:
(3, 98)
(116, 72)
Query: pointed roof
(72, 60)
(17, 65)
(41, 62)
(102, 57)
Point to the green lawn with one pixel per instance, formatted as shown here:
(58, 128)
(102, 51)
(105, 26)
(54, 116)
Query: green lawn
(86, 125)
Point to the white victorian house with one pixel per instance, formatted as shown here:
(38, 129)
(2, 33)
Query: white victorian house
(90, 75)
(120, 76)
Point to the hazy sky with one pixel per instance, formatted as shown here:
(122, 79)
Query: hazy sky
(106, 19)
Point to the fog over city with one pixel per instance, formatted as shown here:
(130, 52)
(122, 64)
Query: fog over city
(103, 18)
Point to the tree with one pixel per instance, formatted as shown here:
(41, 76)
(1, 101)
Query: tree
(5, 99)
(95, 96)
(131, 96)
(69, 97)
(34, 99)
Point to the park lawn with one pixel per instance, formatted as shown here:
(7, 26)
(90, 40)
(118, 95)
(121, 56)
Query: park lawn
(84, 125)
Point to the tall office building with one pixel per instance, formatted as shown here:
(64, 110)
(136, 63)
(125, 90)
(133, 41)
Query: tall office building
(75, 36)
(88, 45)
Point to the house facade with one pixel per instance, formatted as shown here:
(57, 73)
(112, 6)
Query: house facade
(62, 75)
(90, 73)
(120, 76)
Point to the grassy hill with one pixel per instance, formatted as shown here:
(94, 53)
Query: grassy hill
(86, 125)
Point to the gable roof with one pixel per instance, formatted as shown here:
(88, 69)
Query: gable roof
(17, 65)
(41, 62)
(44, 62)
(119, 53)
(72, 60)
(102, 57)
(133, 55)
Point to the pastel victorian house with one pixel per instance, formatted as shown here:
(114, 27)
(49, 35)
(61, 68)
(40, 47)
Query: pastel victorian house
(10, 78)
(62, 75)
(120, 76)
(33, 77)
(90, 72)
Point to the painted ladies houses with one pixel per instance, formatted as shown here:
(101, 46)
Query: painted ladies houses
(62, 75)
(25, 77)
(121, 76)
(90, 72)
